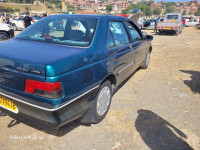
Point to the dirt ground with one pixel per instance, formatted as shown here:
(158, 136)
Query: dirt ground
(157, 108)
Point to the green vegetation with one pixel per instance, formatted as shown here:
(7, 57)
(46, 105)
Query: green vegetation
(170, 10)
(144, 7)
(27, 8)
(70, 8)
(198, 12)
(169, 4)
(108, 8)
(8, 9)
(157, 11)
(184, 12)
(50, 7)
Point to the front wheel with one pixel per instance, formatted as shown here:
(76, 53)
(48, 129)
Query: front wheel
(145, 63)
(3, 36)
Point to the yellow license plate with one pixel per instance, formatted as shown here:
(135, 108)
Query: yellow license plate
(171, 20)
(8, 104)
(167, 28)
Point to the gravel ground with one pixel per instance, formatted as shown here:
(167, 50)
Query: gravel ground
(157, 108)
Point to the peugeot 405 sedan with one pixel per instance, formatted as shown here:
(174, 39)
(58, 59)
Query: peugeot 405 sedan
(67, 67)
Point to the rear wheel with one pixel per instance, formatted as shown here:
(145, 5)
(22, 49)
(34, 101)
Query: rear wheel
(176, 33)
(3, 36)
(102, 102)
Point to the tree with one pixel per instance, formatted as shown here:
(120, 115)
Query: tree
(184, 12)
(169, 9)
(197, 13)
(157, 11)
(108, 8)
(148, 11)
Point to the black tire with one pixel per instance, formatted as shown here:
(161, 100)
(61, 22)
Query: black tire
(176, 33)
(3, 36)
(145, 63)
(96, 116)
(15, 27)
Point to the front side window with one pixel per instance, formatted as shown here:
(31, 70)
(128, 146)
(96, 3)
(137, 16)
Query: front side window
(119, 33)
(110, 42)
(66, 30)
(134, 33)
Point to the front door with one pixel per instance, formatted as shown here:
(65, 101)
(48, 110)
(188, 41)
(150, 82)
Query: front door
(124, 57)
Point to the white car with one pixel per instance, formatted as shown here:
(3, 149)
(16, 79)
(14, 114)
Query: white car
(192, 22)
(18, 24)
(6, 31)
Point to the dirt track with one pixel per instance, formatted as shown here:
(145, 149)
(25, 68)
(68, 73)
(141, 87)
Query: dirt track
(157, 108)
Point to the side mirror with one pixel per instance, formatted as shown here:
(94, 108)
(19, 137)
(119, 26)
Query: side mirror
(149, 37)
(144, 34)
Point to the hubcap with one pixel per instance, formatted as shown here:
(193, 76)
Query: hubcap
(103, 101)
(147, 59)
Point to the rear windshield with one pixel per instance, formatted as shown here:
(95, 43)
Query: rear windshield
(66, 30)
(172, 17)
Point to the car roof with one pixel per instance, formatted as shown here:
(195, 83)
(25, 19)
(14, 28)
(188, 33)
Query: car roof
(84, 15)
(173, 14)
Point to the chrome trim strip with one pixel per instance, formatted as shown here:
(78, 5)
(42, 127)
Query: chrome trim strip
(126, 67)
(47, 108)
(141, 57)
(130, 64)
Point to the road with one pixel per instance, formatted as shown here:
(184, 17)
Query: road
(157, 108)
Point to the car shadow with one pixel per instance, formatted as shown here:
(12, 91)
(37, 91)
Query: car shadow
(159, 134)
(125, 81)
(194, 83)
(56, 132)
(2, 113)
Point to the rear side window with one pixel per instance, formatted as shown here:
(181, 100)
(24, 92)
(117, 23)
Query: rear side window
(119, 33)
(172, 17)
(134, 33)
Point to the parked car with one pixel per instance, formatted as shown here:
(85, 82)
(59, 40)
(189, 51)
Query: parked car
(172, 23)
(6, 31)
(197, 26)
(18, 24)
(192, 22)
(51, 77)
(149, 24)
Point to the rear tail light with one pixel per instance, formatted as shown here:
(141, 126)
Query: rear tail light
(44, 89)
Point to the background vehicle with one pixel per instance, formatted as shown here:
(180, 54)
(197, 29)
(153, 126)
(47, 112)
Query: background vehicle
(149, 24)
(6, 31)
(18, 24)
(197, 26)
(191, 22)
(172, 23)
(68, 73)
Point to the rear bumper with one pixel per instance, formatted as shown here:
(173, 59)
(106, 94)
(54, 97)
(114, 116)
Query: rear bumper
(51, 118)
(168, 30)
